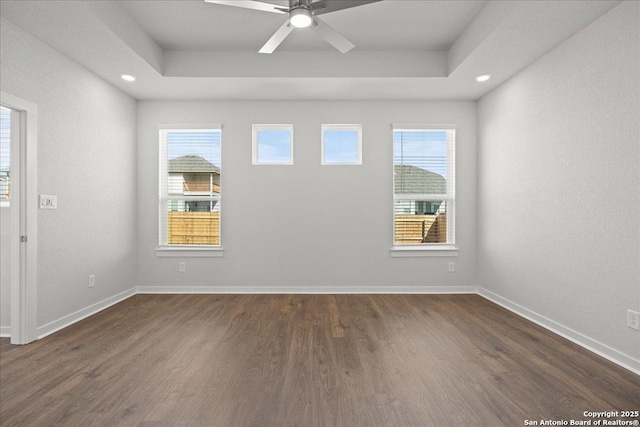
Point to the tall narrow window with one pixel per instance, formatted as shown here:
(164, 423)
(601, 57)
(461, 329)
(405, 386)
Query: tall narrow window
(423, 185)
(190, 192)
(5, 155)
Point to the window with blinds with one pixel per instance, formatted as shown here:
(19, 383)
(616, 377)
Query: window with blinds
(5, 156)
(423, 185)
(190, 191)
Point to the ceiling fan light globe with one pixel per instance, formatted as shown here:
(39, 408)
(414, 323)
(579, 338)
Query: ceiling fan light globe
(300, 18)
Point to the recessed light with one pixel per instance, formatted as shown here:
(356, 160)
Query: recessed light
(128, 77)
(483, 78)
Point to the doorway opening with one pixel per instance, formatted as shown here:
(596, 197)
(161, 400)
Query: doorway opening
(18, 218)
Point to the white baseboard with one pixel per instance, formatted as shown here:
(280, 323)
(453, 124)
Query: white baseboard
(306, 289)
(590, 344)
(5, 331)
(72, 318)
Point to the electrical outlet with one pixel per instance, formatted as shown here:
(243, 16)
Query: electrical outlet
(452, 267)
(182, 267)
(633, 319)
(92, 280)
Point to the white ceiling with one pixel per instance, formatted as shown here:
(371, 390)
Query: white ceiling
(196, 25)
(405, 49)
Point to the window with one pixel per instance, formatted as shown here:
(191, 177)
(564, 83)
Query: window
(272, 144)
(5, 155)
(423, 185)
(341, 145)
(190, 186)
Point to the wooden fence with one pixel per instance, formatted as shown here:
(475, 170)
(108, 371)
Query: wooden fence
(194, 228)
(416, 229)
(203, 228)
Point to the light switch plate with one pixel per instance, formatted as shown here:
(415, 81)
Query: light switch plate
(48, 202)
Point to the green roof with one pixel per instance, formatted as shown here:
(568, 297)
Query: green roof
(192, 164)
(413, 180)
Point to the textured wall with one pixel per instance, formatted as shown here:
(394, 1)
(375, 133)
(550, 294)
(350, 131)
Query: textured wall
(306, 224)
(558, 168)
(5, 266)
(86, 156)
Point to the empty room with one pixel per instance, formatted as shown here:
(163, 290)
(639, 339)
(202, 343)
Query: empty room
(319, 213)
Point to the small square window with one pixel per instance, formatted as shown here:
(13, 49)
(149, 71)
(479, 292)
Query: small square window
(341, 145)
(272, 144)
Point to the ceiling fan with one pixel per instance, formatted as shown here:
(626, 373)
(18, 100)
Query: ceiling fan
(302, 14)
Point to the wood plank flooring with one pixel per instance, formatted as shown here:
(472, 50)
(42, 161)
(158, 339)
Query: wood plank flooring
(305, 360)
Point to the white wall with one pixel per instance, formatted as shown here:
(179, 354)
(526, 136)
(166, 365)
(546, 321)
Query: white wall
(558, 191)
(306, 225)
(86, 156)
(5, 267)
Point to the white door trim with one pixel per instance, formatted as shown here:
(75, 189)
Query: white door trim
(24, 179)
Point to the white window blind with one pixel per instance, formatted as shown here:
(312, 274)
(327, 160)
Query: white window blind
(190, 191)
(5, 154)
(423, 185)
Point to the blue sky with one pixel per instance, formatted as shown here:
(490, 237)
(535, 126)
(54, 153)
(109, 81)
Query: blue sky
(204, 144)
(274, 146)
(340, 146)
(423, 149)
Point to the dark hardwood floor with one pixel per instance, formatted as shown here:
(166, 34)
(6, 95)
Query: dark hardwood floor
(305, 360)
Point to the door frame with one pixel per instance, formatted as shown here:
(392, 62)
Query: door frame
(24, 186)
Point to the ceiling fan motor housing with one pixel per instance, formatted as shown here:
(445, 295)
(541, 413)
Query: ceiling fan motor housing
(302, 14)
(301, 17)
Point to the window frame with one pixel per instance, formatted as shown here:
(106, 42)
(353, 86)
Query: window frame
(256, 128)
(14, 134)
(428, 249)
(341, 127)
(164, 248)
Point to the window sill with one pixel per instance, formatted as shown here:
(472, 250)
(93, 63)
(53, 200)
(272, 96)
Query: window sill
(189, 252)
(424, 251)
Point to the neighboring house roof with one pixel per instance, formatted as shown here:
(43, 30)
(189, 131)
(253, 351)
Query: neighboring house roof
(413, 180)
(191, 164)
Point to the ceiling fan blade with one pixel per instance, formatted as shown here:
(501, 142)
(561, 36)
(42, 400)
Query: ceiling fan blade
(332, 36)
(334, 5)
(250, 4)
(277, 38)
(318, 4)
